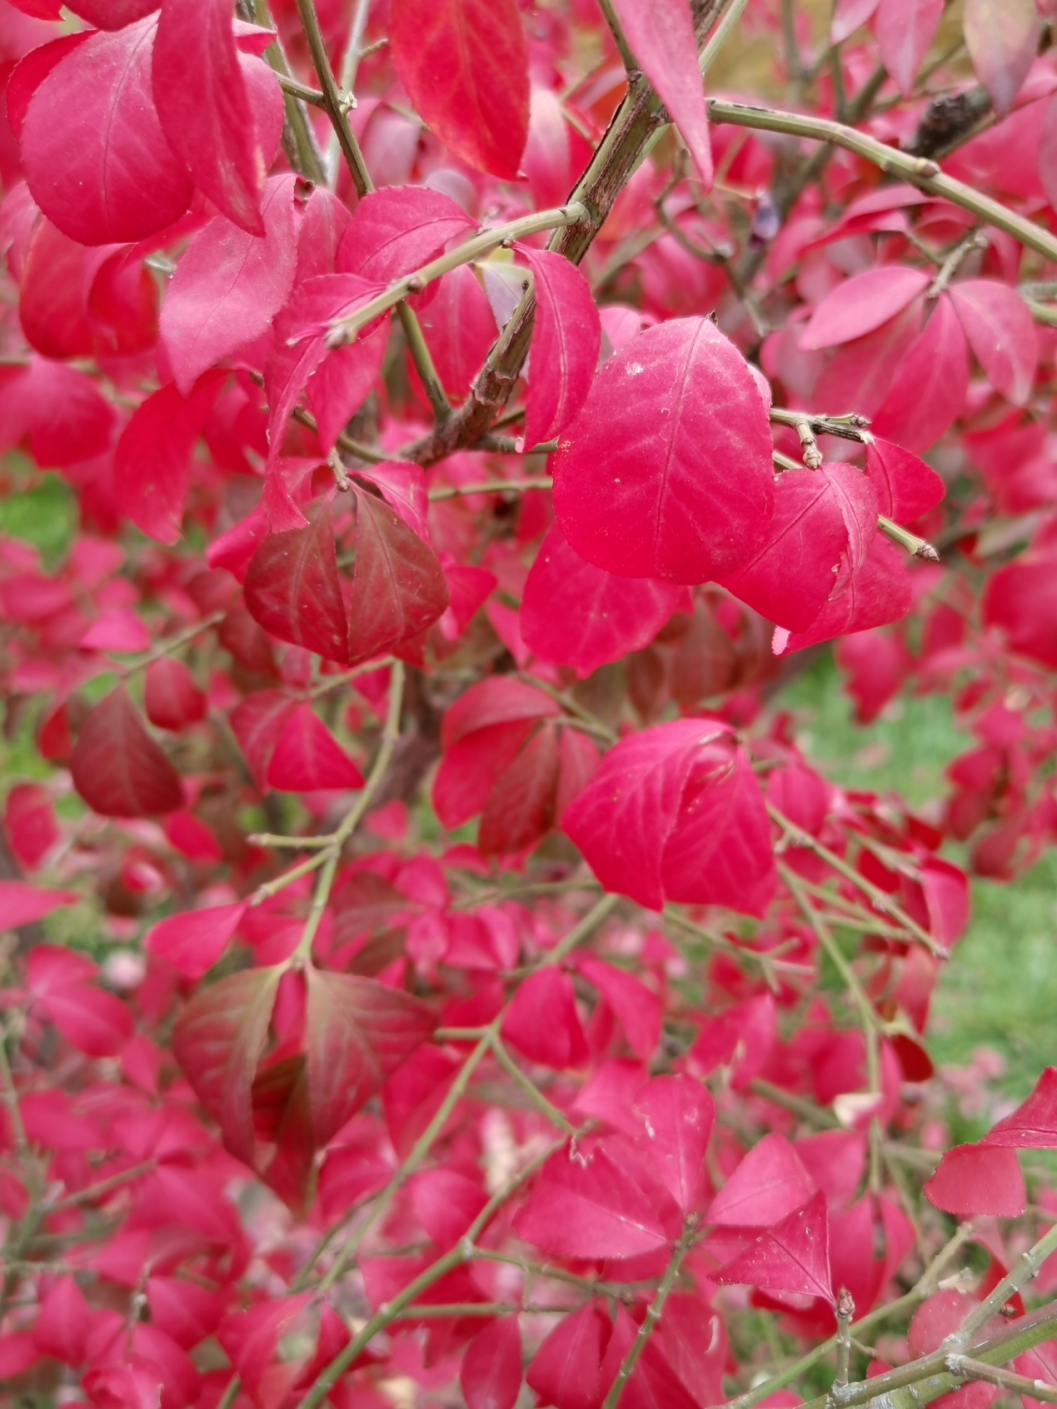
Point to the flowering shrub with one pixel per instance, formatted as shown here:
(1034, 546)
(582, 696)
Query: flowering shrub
(433, 973)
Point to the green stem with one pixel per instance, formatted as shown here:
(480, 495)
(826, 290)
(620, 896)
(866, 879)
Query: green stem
(1018, 1276)
(653, 1315)
(491, 486)
(535, 1095)
(919, 171)
(345, 329)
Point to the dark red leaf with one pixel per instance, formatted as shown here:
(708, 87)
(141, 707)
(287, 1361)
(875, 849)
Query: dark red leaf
(171, 697)
(293, 590)
(118, 768)
(218, 1041)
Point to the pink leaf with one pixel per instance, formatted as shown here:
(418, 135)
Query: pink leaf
(113, 14)
(229, 285)
(1002, 37)
(1001, 333)
(29, 73)
(862, 303)
(307, 756)
(579, 615)
(194, 940)
(793, 1256)
(152, 462)
(465, 65)
(22, 903)
(257, 722)
(904, 30)
(118, 768)
(1033, 1125)
(341, 383)
(205, 109)
(101, 169)
(660, 34)
(677, 1116)
(61, 410)
(769, 1184)
(1021, 599)
(978, 1179)
(1047, 148)
(587, 1206)
(930, 383)
(666, 472)
(491, 1367)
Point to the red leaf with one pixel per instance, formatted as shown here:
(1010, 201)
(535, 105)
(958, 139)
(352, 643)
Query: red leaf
(677, 1115)
(63, 1323)
(152, 462)
(205, 109)
(171, 697)
(542, 1023)
(906, 487)
(30, 72)
(341, 383)
(622, 821)
(636, 1009)
(22, 903)
(1001, 333)
(307, 756)
(398, 586)
(793, 1256)
(491, 1368)
(768, 1185)
(118, 768)
(218, 1040)
(29, 821)
(660, 35)
(879, 592)
(667, 472)
(1002, 37)
(229, 285)
(465, 65)
(978, 1179)
(445, 1203)
(66, 419)
(930, 383)
(1047, 147)
(862, 303)
(300, 342)
(92, 1020)
(194, 940)
(904, 30)
(101, 169)
(113, 14)
(566, 336)
(257, 722)
(567, 1368)
(586, 1206)
(293, 590)
(1033, 1125)
(793, 574)
(357, 1032)
(579, 615)
(1021, 599)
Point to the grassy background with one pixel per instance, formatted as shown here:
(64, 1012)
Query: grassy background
(1000, 987)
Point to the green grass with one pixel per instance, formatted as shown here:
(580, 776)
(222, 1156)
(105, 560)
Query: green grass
(1000, 988)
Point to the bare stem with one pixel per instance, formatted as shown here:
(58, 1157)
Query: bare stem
(653, 1314)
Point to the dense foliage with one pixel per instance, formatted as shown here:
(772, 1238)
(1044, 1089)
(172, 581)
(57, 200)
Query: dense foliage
(433, 974)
